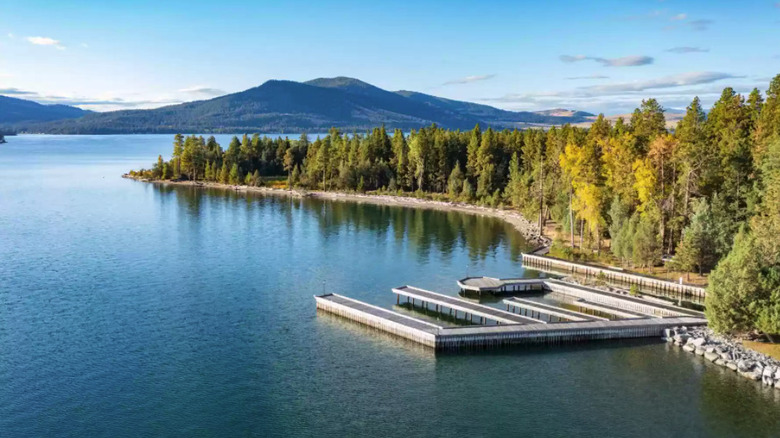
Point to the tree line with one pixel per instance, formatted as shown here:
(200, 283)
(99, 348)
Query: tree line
(706, 192)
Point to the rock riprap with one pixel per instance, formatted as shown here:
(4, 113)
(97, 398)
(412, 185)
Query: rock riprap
(726, 352)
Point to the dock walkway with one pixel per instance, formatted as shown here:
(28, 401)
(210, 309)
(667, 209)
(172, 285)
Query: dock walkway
(543, 262)
(571, 315)
(457, 304)
(612, 310)
(484, 336)
(386, 320)
(490, 284)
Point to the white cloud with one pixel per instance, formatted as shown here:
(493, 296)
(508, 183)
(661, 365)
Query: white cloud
(700, 24)
(587, 77)
(470, 79)
(679, 80)
(686, 49)
(10, 35)
(45, 41)
(625, 61)
(85, 45)
(675, 90)
(202, 89)
(16, 92)
(679, 17)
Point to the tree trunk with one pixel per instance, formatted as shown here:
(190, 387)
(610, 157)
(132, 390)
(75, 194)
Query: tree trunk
(571, 218)
(582, 231)
(598, 240)
(541, 195)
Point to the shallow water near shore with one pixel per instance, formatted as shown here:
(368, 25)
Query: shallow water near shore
(133, 309)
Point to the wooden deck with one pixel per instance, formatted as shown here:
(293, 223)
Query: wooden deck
(467, 307)
(570, 315)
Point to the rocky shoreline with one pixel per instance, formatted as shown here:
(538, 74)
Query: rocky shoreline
(528, 229)
(726, 352)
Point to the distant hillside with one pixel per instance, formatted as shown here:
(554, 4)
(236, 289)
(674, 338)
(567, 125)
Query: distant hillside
(14, 111)
(316, 105)
(672, 117)
(561, 112)
(499, 117)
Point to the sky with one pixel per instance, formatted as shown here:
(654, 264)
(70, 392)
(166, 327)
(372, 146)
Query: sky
(603, 56)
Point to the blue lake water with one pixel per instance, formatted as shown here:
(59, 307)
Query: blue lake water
(131, 309)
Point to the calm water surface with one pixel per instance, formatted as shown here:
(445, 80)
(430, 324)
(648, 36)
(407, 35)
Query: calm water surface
(129, 309)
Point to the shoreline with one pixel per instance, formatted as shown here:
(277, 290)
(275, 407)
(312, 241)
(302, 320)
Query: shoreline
(728, 352)
(526, 228)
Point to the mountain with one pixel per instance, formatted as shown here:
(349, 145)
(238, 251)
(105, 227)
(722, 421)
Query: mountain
(562, 112)
(499, 117)
(316, 105)
(13, 111)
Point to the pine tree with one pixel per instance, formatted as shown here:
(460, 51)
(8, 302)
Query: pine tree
(514, 188)
(768, 126)
(472, 162)
(734, 288)
(647, 122)
(697, 249)
(646, 244)
(455, 182)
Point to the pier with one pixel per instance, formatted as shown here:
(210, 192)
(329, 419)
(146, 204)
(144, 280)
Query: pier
(611, 274)
(404, 326)
(604, 308)
(636, 317)
(559, 312)
(493, 285)
(619, 301)
(456, 304)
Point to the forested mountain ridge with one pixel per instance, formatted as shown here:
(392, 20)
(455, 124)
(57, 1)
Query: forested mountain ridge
(13, 110)
(288, 106)
(707, 192)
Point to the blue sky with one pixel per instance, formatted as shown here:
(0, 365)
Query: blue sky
(597, 56)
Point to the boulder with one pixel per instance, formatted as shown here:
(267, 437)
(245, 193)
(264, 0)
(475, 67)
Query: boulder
(698, 342)
(681, 338)
(720, 362)
(752, 375)
(767, 376)
(699, 351)
(744, 366)
(689, 348)
(711, 356)
(731, 365)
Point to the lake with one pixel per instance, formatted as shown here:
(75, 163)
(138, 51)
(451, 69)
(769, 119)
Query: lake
(130, 309)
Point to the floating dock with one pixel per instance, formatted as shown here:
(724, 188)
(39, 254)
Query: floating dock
(570, 315)
(448, 338)
(493, 285)
(639, 318)
(456, 304)
(404, 326)
(553, 264)
(604, 308)
(620, 301)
